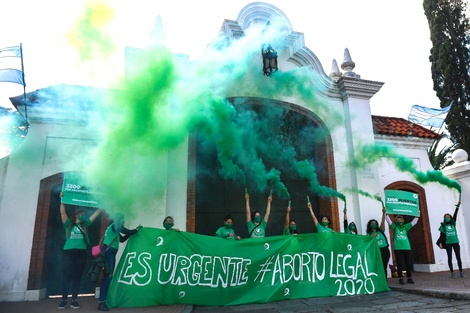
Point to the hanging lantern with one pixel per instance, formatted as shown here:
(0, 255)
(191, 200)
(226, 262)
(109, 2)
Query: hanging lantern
(269, 59)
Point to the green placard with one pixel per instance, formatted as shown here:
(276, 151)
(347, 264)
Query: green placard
(76, 193)
(161, 267)
(401, 202)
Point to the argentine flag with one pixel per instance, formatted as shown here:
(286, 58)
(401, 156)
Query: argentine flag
(428, 116)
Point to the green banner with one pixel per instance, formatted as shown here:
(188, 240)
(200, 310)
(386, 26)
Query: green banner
(160, 267)
(402, 202)
(76, 193)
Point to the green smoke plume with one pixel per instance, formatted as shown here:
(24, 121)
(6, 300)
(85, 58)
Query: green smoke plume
(372, 153)
(165, 100)
(365, 194)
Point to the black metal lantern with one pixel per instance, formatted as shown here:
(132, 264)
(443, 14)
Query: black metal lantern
(269, 59)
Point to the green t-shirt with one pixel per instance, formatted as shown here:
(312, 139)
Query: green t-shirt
(225, 232)
(381, 240)
(109, 235)
(400, 236)
(286, 231)
(76, 240)
(258, 232)
(323, 229)
(451, 233)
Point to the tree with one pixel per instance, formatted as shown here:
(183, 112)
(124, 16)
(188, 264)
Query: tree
(450, 60)
(440, 156)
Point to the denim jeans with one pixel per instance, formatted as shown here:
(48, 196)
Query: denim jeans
(111, 263)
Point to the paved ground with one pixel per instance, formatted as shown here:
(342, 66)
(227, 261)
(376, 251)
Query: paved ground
(432, 292)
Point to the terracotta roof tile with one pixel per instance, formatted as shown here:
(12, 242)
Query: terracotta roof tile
(397, 126)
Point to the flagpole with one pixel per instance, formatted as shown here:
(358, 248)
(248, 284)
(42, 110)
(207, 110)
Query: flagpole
(24, 84)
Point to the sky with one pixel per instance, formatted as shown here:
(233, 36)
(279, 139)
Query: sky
(388, 41)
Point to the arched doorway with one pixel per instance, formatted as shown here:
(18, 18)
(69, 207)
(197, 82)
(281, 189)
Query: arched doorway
(420, 235)
(211, 196)
(45, 270)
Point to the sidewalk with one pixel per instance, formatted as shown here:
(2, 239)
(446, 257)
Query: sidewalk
(437, 284)
(429, 284)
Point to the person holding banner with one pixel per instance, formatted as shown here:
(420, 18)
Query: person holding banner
(290, 227)
(168, 223)
(322, 227)
(112, 238)
(449, 240)
(256, 225)
(401, 245)
(227, 231)
(74, 252)
(373, 229)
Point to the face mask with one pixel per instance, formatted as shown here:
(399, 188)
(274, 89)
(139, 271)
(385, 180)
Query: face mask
(167, 225)
(228, 225)
(293, 227)
(325, 224)
(374, 226)
(257, 219)
(447, 220)
(82, 218)
(399, 223)
(352, 227)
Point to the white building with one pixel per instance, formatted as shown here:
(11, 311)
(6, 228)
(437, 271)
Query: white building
(331, 111)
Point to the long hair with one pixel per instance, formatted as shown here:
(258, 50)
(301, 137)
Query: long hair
(451, 219)
(253, 215)
(369, 229)
(82, 225)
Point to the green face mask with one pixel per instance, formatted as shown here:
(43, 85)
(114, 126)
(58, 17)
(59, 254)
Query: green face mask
(399, 223)
(293, 227)
(374, 226)
(258, 219)
(325, 224)
(352, 227)
(167, 225)
(228, 225)
(447, 220)
(82, 218)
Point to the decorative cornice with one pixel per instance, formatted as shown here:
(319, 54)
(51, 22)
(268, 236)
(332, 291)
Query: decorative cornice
(405, 142)
(358, 88)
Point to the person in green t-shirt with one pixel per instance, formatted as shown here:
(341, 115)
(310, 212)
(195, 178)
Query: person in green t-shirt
(351, 227)
(401, 245)
(75, 252)
(449, 240)
(290, 227)
(227, 231)
(112, 238)
(323, 226)
(256, 225)
(373, 229)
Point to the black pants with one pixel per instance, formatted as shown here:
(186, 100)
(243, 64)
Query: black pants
(403, 261)
(73, 264)
(456, 247)
(385, 253)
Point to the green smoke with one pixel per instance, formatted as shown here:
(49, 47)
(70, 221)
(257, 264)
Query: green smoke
(372, 153)
(166, 100)
(365, 194)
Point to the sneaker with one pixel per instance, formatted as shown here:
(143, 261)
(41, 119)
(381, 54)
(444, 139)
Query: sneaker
(103, 307)
(462, 275)
(410, 280)
(401, 282)
(453, 275)
(74, 304)
(62, 304)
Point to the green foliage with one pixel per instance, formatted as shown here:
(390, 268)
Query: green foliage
(440, 157)
(450, 62)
